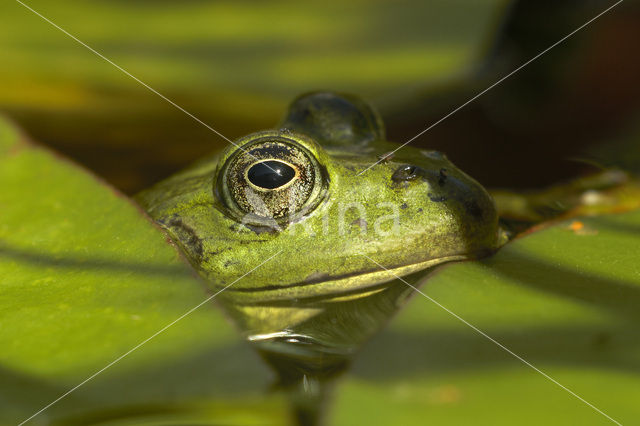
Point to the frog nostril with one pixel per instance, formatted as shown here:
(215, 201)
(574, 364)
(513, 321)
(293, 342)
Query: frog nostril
(405, 173)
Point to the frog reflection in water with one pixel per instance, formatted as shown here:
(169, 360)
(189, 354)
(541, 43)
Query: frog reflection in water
(305, 195)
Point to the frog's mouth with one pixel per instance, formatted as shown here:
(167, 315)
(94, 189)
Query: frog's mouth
(327, 287)
(319, 287)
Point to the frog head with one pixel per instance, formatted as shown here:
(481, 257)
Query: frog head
(316, 200)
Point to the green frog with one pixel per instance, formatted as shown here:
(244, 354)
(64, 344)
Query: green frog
(304, 230)
(306, 194)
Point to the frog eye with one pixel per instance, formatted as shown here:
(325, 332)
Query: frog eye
(271, 177)
(271, 174)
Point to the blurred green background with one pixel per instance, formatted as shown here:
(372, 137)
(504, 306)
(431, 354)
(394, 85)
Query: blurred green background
(236, 65)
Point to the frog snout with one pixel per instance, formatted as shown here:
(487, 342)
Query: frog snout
(449, 187)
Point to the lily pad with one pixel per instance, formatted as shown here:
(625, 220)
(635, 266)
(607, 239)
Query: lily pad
(85, 277)
(565, 299)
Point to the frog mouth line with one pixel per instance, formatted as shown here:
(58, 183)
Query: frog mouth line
(334, 286)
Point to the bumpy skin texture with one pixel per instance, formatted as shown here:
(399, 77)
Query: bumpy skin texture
(442, 214)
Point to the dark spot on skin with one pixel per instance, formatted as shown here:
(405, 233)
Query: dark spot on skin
(216, 252)
(405, 173)
(437, 199)
(403, 206)
(474, 209)
(442, 178)
(186, 235)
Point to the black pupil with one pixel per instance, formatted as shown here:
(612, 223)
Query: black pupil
(270, 174)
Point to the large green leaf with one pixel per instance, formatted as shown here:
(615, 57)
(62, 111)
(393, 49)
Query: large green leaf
(84, 278)
(566, 299)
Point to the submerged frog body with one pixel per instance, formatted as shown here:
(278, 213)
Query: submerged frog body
(307, 228)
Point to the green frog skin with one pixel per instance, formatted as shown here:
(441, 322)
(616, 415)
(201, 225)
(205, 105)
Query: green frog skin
(303, 197)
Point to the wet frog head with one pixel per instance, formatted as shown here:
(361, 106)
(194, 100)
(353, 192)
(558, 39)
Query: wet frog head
(296, 214)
